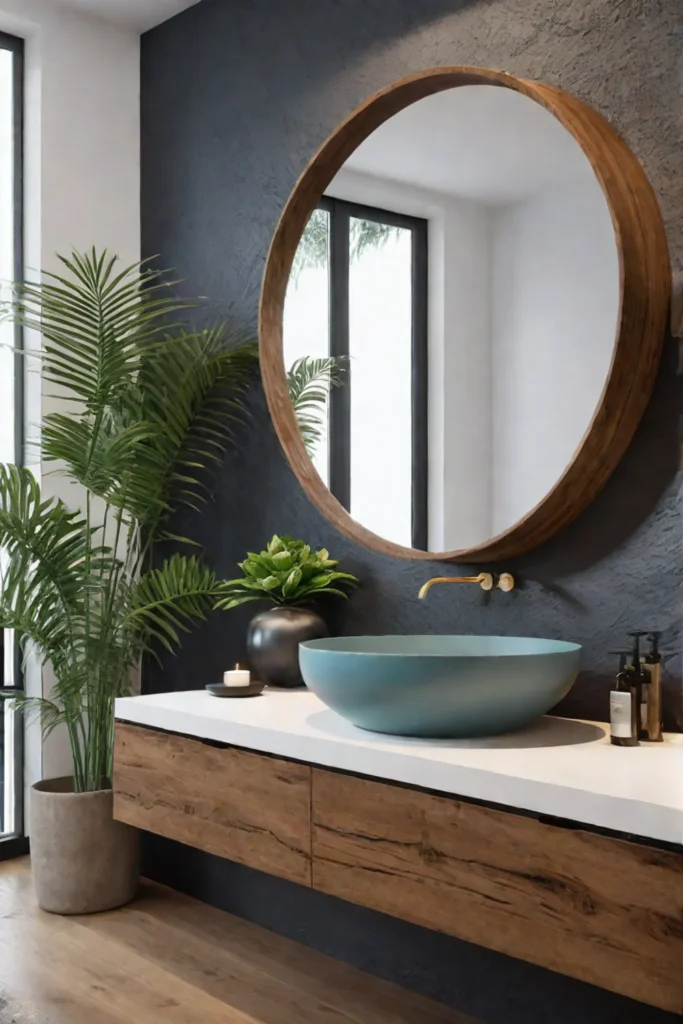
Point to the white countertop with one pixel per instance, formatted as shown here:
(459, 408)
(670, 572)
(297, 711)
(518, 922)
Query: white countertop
(558, 766)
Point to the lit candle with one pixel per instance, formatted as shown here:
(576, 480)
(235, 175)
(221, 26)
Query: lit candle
(237, 676)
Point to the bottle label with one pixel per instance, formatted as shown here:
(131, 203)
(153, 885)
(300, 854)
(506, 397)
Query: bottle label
(620, 714)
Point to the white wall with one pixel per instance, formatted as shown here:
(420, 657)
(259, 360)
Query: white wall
(556, 297)
(82, 185)
(465, 508)
(380, 355)
(6, 256)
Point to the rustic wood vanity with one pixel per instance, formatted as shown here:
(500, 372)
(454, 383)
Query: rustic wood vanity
(548, 845)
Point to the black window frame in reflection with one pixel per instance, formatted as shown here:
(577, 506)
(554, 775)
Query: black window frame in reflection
(340, 212)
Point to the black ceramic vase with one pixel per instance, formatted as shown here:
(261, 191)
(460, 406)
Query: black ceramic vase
(273, 640)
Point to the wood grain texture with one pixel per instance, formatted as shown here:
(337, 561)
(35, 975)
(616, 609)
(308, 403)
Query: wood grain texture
(645, 286)
(169, 958)
(599, 909)
(243, 806)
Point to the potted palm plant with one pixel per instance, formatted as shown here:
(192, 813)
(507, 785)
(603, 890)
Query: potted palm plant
(144, 407)
(290, 576)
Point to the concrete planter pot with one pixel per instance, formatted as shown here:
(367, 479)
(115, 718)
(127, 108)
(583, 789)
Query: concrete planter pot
(82, 860)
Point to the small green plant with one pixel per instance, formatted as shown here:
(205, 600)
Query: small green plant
(287, 572)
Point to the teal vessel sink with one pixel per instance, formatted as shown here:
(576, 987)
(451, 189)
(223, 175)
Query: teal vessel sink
(439, 686)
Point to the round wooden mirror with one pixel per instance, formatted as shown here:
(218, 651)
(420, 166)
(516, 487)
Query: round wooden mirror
(462, 315)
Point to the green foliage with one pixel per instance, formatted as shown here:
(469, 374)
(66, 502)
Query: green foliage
(287, 572)
(313, 249)
(368, 234)
(146, 407)
(310, 381)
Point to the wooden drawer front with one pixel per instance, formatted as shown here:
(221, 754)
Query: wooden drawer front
(248, 808)
(596, 908)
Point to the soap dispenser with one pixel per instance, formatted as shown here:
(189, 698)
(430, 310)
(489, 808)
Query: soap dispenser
(625, 700)
(651, 695)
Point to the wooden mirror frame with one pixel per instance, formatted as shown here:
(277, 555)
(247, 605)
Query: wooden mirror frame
(645, 286)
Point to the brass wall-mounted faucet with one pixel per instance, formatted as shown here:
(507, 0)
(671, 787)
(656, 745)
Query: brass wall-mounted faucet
(485, 580)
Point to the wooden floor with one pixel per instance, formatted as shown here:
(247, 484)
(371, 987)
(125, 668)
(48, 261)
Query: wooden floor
(169, 958)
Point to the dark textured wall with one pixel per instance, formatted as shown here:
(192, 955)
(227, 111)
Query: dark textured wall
(237, 95)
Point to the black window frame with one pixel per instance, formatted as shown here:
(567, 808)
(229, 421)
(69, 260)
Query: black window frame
(340, 212)
(13, 844)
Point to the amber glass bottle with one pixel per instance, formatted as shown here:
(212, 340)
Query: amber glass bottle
(624, 706)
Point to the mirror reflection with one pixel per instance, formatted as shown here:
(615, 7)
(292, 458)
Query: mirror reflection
(451, 317)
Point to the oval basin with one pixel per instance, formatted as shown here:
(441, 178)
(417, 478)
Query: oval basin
(439, 686)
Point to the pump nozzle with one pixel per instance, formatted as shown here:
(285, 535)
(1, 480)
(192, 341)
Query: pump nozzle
(636, 634)
(654, 654)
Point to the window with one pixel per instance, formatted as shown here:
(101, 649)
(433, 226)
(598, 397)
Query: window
(358, 293)
(11, 407)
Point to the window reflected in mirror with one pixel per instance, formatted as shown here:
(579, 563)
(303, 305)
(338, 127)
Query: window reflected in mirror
(355, 346)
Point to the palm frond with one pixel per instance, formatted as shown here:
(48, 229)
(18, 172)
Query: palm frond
(53, 567)
(50, 550)
(93, 323)
(192, 399)
(100, 455)
(309, 381)
(49, 713)
(369, 234)
(170, 599)
(314, 248)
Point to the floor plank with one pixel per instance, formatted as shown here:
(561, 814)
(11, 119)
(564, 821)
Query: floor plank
(170, 958)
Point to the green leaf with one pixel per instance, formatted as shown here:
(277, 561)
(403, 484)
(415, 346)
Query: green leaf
(319, 581)
(225, 604)
(253, 569)
(292, 582)
(283, 560)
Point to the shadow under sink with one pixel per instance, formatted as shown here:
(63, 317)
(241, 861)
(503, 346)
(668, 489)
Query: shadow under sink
(544, 732)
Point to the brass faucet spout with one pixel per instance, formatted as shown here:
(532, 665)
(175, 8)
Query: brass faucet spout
(484, 579)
